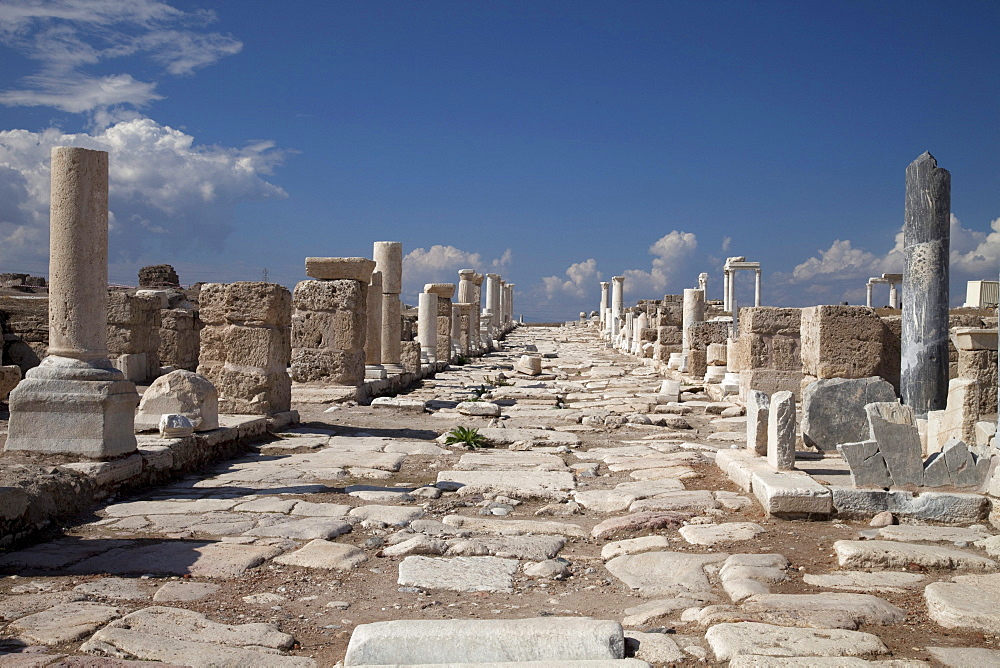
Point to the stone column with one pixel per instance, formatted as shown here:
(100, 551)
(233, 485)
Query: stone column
(781, 431)
(694, 311)
(476, 324)
(725, 289)
(732, 293)
(926, 240)
(756, 288)
(467, 295)
(246, 346)
(427, 307)
(868, 294)
(389, 260)
(444, 292)
(703, 282)
(464, 320)
(330, 321)
(75, 402)
(617, 301)
(503, 304)
(605, 296)
(509, 304)
(373, 332)
(894, 295)
(493, 300)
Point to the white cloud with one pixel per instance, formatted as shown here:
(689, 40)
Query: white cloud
(672, 252)
(726, 242)
(164, 192)
(974, 252)
(67, 36)
(583, 279)
(841, 261)
(440, 264)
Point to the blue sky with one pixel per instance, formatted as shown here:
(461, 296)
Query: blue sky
(558, 143)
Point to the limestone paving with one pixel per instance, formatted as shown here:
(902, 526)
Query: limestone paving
(587, 506)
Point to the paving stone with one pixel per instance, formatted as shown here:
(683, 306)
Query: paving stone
(649, 612)
(415, 448)
(526, 485)
(267, 504)
(419, 544)
(59, 553)
(732, 500)
(458, 573)
(310, 509)
(184, 591)
(731, 640)
(189, 638)
(22, 605)
(657, 648)
(713, 534)
(740, 589)
(478, 408)
(306, 529)
(507, 460)
(863, 581)
(668, 519)
(394, 516)
(192, 506)
(513, 527)
(116, 588)
(664, 574)
(548, 639)
(750, 661)
(201, 558)
(323, 554)
(532, 548)
(963, 657)
(696, 500)
(968, 602)
(911, 532)
(883, 554)
(63, 623)
(833, 610)
(633, 546)
(505, 437)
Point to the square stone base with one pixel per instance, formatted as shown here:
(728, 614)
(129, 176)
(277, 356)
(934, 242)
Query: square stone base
(90, 418)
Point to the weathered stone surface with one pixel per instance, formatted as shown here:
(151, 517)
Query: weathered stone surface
(758, 407)
(340, 268)
(63, 623)
(478, 408)
(525, 485)
(968, 602)
(376, 515)
(183, 393)
(514, 527)
(832, 610)
(664, 574)
(506, 460)
(781, 431)
(10, 376)
(532, 548)
(894, 430)
(714, 534)
(638, 522)
(882, 554)
(842, 342)
(548, 639)
(22, 605)
(833, 409)
(115, 588)
(324, 554)
(634, 546)
(305, 529)
(945, 507)
(179, 590)
(657, 648)
(963, 657)
(868, 468)
(915, 532)
(200, 558)
(400, 403)
(458, 573)
(863, 581)
(696, 500)
(789, 493)
(731, 640)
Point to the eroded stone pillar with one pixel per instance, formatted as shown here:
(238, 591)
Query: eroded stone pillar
(477, 314)
(694, 311)
(617, 301)
(756, 288)
(605, 299)
(75, 402)
(246, 345)
(427, 307)
(444, 292)
(509, 304)
(389, 260)
(703, 282)
(868, 294)
(493, 300)
(373, 332)
(926, 242)
(725, 289)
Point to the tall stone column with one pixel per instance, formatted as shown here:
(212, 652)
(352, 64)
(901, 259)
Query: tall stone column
(605, 298)
(694, 311)
(894, 295)
(725, 289)
(868, 294)
(461, 327)
(466, 286)
(389, 260)
(444, 292)
(427, 307)
(373, 332)
(503, 304)
(75, 402)
(703, 282)
(732, 293)
(493, 300)
(926, 243)
(467, 295)
(756, 288)
(475, 324)
(509, 304)
(617, 300)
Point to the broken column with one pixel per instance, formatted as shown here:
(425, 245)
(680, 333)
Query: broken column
(493, 301)
(329, 321)
(373, 331)
(476, 325)
(508, 304)
(75, 402)
(758, 409)
(467, 295)
(246, 346)
(781, 431)
(427, 308)
(926, 241)
(617, 303)
(389, 261)
(694, 311)
(444, 292)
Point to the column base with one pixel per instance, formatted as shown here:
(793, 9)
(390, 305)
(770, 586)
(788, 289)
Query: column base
(65, 406)
(375, 372)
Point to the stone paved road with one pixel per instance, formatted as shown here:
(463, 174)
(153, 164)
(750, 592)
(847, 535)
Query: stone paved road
(599, 498)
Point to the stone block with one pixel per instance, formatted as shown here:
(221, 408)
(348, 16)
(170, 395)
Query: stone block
(127, 309)
(697, 363)
(894, 429)
(769, 339)
(409, 356)
(958, 420)
(339, 330)
(249, 391)
(833, 410)
(868, 468)
(549, 639)
(945, 507)
(758, 407)
(669, 335)
(715, 354)
(261, 347)
(842, 342)
(781, 431)
(245, 303)
(982, 366)
(770, 381)
(10, 376)
(791, 494)
(442, 290)
(340, 367)
(340, 268)
(339, 295)
(180, 392)
(701, 334)
(158, 276)
(134, 366)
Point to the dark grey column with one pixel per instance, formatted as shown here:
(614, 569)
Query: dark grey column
(926, 243)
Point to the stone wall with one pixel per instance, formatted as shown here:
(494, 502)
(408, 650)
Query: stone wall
(329, 324)
(767, 353)
(24, 324)
(848, 342)
(134, 335)
(700, 336)
(443, 329)
(246, 345)
(179, 338)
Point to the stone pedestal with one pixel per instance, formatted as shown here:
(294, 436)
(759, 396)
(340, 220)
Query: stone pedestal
(75, 402)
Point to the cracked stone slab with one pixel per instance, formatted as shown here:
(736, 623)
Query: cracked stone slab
(696, 500)
(179, 590)
(324, 554)
(200, 558)
(735, 639)
(664, 574)
(668, 519)
(908, 532)
(962, 657)
(306, 529)
(63, 623)
(458, 573)
(967, 602)
(22, 605)
(863, 581)
(513, 527)
(508, 460)
(713, 534)
(885, 554)
(394, 516)
(525, 485)
(531, 548)
(116, 588)
(192, 507)
(834, 610)
(634, 546)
